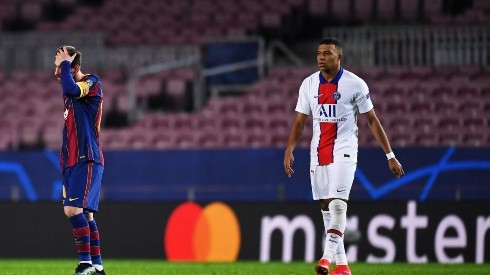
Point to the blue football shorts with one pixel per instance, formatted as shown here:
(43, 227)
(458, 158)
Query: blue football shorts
(81, 185)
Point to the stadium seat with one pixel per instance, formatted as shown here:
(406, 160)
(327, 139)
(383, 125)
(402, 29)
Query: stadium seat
(363, 10)
(432, 8)
(448, 107)
(385, 10)
(450, 124)
(258, 139)
(476, 139)
(234, 139)
(471, 108)
(210, 139)
(402, 139)
(340, 10)
(476, 123)
(409, 10)
(256, 123)
(233, 123)
(279, 141)
(400, 124)
(467, 92)
(430, 139)
(8, 138)
(425, 123)
(165, 140)
(423, 107)
(186, 140)
(450, 139)
(317, 7)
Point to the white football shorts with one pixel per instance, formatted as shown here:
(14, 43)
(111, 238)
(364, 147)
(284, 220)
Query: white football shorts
(333, 180)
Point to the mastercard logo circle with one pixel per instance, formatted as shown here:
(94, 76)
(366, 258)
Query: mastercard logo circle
(196, 234)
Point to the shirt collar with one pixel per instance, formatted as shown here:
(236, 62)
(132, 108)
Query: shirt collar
(336, 78)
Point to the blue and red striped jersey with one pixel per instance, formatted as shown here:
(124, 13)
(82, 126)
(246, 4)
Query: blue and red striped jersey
(83, 112)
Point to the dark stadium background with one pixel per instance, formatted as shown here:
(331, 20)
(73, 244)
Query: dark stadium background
(199, 98)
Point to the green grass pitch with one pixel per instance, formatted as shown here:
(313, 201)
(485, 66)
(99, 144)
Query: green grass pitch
(148, 267)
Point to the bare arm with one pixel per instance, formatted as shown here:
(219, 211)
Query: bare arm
(380, 135)
(294, 138)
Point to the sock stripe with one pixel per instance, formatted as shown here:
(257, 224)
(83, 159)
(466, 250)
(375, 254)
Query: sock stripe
(94, 251)
(336, 232)
(95, 244)
(80, 232)
(94, 235)
(83, 248)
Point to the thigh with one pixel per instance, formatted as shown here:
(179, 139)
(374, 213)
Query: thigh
(340, 178)
(319, 181)
(81, 185)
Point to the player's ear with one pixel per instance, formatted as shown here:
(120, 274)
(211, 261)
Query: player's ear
(77, 67)
(340, 56)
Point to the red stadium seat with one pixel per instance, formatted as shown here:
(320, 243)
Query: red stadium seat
(363, 10)
(425, 124)
(234, 139)
(409, 10)
(476, 139)
(427, 139)
(402, 139)
(340, 10)
(386, 10)
(450, 124)
(451, 139)
(210, 139)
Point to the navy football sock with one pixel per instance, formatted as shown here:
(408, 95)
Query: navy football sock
(95, 243)
(81, 233)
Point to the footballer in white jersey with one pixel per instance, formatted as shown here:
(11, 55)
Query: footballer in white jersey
(334, 97)
(334, 106)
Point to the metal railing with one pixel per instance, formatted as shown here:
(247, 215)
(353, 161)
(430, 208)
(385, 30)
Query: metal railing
(413, 45)
(152, 69)
(199, 84)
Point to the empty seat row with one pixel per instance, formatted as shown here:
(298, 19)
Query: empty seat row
(268, 109)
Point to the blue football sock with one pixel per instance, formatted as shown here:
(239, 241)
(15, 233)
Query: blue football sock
(95, 243)
(81, 233)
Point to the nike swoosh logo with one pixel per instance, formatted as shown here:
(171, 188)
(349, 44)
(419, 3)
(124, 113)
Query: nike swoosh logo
(340, 190)
(74, 199)
(317, 95)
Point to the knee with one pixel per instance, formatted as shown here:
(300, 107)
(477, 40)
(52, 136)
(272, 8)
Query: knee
(71, 211)
(337, 206)
(89, 216)
(324, 204)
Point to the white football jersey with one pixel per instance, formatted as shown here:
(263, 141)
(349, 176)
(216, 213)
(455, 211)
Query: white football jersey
(334, 106)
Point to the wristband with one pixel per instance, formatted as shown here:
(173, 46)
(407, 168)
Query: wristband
(390, 155)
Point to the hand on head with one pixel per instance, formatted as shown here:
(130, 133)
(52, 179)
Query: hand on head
(62, 55)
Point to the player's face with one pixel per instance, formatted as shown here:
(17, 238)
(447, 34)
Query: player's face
(57, 72)
(328, 58)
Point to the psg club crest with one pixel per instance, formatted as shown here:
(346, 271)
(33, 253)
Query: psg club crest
(336, 96)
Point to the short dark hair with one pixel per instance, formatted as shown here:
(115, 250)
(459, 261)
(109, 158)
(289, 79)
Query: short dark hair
(71, 51)
(332, 41)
